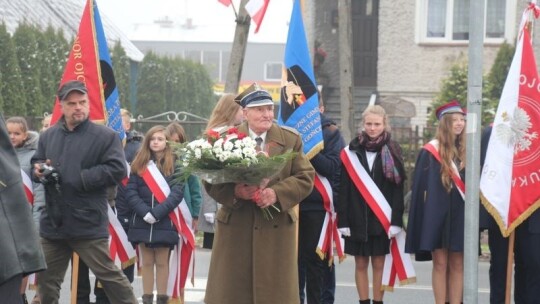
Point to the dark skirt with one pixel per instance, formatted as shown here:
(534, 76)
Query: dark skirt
(375, 245)
(208, 240)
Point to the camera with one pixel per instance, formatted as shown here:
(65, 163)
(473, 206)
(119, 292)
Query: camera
(50, 175)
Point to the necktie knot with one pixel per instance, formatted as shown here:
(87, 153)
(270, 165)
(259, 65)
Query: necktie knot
(259, 141)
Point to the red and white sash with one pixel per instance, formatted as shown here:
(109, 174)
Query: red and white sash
(126, 178)
(32, 281)
(329, 232)
(182, 220)
(397, 262)
(29, 191)
(28, 188)
(121, 251)
(433, 148)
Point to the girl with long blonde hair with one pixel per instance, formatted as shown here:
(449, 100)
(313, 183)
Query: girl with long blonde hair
(365, 237)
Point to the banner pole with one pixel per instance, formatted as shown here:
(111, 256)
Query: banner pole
(74, 277)
(509, 263)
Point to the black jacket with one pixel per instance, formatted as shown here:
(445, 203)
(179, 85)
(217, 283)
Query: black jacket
(352, 209)
(327, 164)
(20, 249)
(89, 159)
(133, 143)
(141, 201)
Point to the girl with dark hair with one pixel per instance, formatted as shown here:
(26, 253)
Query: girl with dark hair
(150, 226)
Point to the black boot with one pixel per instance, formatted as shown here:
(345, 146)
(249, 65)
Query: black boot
(377, 302)
(368, 301)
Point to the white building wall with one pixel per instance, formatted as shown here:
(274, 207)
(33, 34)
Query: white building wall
(412, 70)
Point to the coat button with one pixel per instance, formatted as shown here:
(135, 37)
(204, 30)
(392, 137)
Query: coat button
(275, 226)
(256, 228)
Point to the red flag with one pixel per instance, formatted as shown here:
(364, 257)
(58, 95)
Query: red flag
(256, 9)
(83, 64)
(225, 2)
(89, 61)
(509, 180)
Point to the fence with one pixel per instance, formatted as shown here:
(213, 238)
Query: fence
(194, 125)
(411, 141)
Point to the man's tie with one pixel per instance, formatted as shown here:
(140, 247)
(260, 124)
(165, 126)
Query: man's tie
(259, 141)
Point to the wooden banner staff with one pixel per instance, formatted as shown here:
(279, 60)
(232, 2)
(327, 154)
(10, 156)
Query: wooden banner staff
(74, 277)
(509, 263)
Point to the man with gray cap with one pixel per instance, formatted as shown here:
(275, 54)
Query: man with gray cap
(78, 160)
(254, 259)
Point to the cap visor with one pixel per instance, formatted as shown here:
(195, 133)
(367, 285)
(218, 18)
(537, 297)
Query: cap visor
(259, 103)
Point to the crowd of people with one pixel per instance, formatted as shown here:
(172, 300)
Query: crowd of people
(72, 171)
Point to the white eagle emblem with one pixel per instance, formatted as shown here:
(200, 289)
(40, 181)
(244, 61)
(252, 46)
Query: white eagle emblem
(515, 131)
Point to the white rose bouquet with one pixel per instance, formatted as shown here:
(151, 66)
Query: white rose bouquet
(229, 158)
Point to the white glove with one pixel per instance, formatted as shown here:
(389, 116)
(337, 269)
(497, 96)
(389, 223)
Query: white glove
(209, 217)
(345, 231)
(149, 218)
(393, 231)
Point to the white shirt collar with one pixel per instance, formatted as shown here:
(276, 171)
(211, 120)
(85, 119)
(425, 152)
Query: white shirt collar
(253, 135)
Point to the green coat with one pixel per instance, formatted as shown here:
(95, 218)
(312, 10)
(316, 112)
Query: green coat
(193, 195)
(254, 260)
(20, 248)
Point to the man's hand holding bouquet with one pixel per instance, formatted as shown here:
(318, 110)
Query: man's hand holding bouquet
(232, 157)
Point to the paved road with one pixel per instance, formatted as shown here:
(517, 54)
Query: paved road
(419, 293)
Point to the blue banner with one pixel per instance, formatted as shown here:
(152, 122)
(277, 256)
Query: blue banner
(299, 105)
(110, 91)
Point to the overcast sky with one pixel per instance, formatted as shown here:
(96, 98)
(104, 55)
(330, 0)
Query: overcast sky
(128, 14)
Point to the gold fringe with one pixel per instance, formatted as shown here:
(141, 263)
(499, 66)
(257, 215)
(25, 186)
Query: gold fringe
(316, 149)
(129, 262)
(387, 288)
(175, 301)
(506, 232)
(321, 254)
(32, 286)
(401, 283)
(408, 281)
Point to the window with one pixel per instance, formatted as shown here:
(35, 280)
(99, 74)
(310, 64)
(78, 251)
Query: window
(447, 21)
(272, 71)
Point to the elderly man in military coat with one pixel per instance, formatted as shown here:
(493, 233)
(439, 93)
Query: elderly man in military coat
(254, 259)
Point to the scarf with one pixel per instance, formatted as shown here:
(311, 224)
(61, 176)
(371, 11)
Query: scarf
(380, 143)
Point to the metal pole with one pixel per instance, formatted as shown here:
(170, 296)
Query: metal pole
(472, 171)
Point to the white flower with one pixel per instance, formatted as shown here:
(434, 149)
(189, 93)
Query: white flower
(228, 146)
(206, 145)
(198, 153)
(237, 153)
(247, 141)
(217, 150)
(225, 156)
(218, 143)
